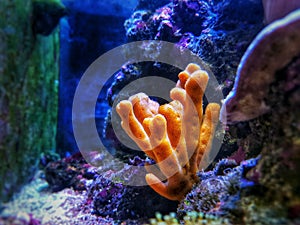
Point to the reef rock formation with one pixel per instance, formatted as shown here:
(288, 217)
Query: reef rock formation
(268, 83)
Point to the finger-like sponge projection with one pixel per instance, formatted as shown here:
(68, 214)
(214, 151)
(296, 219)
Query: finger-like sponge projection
(175, 135)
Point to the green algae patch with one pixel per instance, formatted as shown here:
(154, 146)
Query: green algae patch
(28, 95)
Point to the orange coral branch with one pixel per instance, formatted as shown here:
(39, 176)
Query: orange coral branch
(175, 135)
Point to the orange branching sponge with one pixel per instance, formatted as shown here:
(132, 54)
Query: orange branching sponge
(175, 135)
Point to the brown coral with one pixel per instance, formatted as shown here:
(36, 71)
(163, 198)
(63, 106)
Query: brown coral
(175, 135)
(276, 9)
(273, 49)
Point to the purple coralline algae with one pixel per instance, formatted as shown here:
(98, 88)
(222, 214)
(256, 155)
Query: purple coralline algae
(169, 22)
(219, 189)
(72, 171)
(110, 197)
(217, 31)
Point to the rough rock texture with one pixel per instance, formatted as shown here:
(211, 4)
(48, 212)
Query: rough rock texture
(211, 29)
(28, 95)
(72, 171)
(35, 205)
(275, 197)
(215, 188)
(264, 190)
(280, 156)
(121, 202)
(84, 195)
